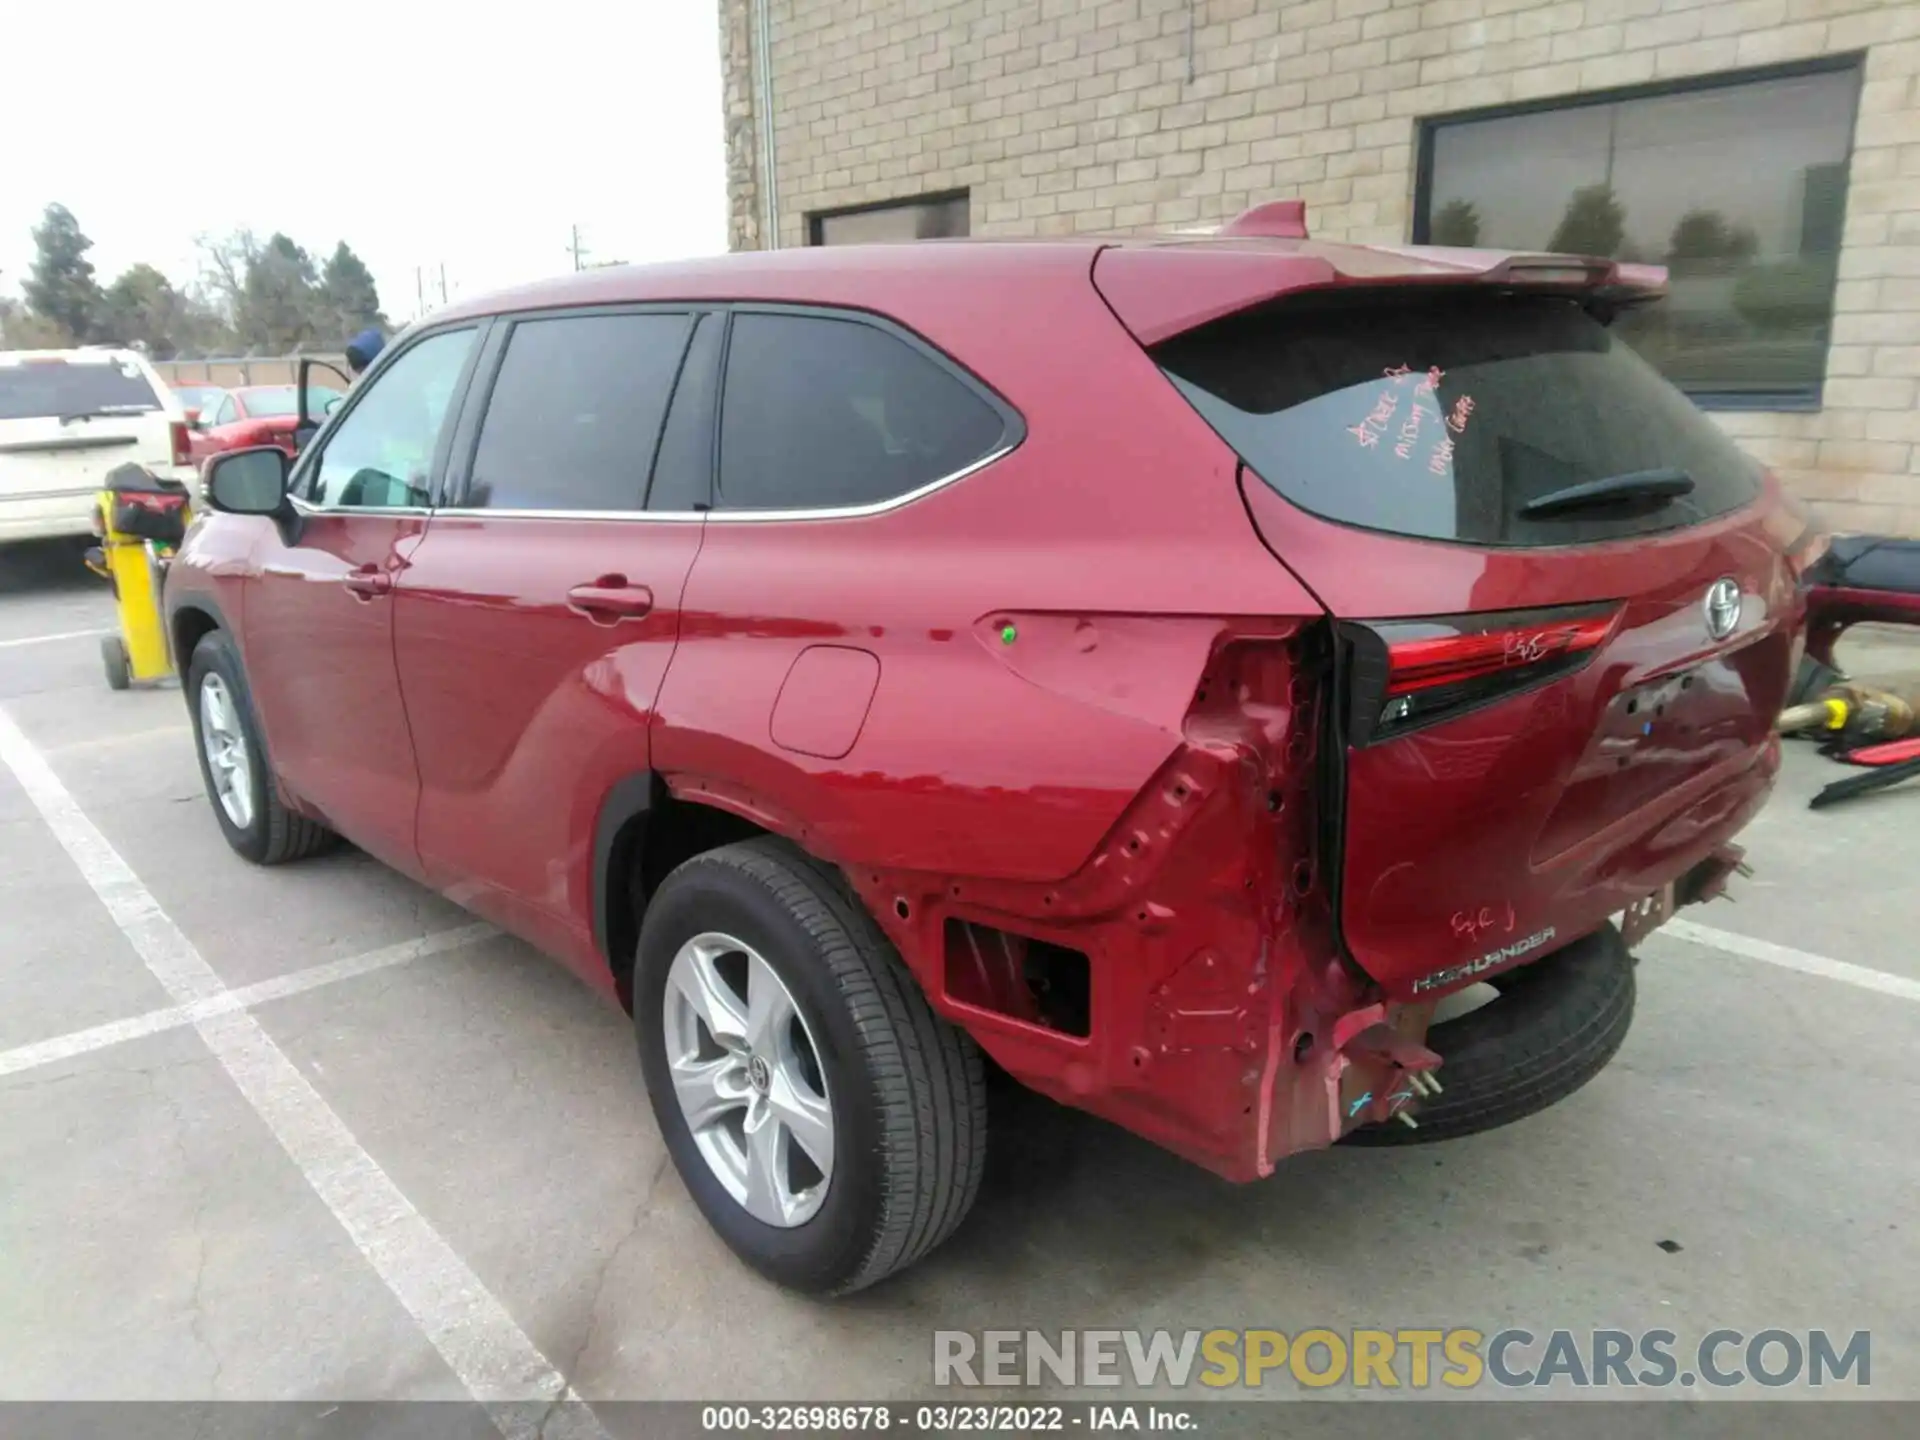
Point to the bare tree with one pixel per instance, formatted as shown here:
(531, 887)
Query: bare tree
(224, 263)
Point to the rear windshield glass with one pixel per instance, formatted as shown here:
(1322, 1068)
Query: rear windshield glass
(31, 389)
(1443, 418)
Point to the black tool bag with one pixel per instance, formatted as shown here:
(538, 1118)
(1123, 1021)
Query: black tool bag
(148, 506)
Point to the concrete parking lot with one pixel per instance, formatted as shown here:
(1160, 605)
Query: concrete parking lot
(400, 1155)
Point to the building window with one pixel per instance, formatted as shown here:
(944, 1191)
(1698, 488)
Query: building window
(930, 217)
(1737, 184)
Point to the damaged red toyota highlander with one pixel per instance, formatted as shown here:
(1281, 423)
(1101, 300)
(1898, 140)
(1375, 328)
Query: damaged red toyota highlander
(1171, 669)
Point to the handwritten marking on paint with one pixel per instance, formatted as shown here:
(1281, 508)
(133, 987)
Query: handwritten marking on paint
(1442, 457)
(1526, 649)
(1472, 924)
(1457, 418)
(1359, 1105)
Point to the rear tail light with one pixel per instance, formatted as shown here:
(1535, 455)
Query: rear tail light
(1406, 674)
(182, 447)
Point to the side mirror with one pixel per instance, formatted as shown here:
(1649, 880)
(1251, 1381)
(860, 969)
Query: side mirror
(248, 482)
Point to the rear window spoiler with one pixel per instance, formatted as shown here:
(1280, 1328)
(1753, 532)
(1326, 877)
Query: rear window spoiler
(1159, 290)
(1614, 282)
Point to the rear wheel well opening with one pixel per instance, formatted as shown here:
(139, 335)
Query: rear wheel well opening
(647, 849)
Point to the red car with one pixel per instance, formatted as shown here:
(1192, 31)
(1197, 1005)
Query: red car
(194, 397)
(1165, 668)
(250, 415)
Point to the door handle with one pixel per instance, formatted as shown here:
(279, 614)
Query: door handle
(367, 582)
(609, 600)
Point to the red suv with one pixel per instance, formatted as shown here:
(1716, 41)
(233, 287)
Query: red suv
(1171, 669)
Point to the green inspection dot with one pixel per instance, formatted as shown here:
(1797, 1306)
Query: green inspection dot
(1008, 634)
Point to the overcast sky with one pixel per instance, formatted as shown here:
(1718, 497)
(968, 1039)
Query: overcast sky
(419, 133)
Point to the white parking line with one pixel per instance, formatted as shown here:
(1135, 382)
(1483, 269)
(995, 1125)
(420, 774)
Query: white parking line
(1788, 958)
(49, 639)
(129, 737)
(117, 1032)
(478, 1339)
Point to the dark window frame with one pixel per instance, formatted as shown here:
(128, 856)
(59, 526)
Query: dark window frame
(1427, 128)
(1013, 424)
(816, 219)
(712, 375)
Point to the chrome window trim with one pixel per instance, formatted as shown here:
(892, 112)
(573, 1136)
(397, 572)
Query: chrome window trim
(466, 513)
(736, 517)
(307, 507)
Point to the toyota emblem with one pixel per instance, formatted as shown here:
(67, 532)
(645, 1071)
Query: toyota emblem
(1722, 607)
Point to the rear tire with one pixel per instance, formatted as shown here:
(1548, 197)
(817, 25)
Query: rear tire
(904, 1089)
(113, 655)
(257, 824)
(1554, 1026)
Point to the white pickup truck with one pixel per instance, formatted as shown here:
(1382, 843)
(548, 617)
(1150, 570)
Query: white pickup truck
(67, 417)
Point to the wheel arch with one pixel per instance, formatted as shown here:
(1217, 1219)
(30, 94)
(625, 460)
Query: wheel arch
(188, 624)
(642, 833)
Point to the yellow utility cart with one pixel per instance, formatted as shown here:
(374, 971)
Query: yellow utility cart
(141, 520)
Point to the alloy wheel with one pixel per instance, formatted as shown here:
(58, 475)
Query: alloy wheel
(748, 1078)
(224, 740)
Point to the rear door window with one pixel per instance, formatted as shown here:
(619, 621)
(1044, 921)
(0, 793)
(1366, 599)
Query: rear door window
(821, 412)
(1443, 418)
(575, 413)
(73, 389)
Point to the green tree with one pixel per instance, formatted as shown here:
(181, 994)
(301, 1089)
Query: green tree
(1594, 223)
(1455, 223)
(1702, 240)
(349, 300)
(1793, 295)
(141, 308)
(61, 289)
(279, 304)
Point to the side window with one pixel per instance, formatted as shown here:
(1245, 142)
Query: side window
(822, 412)
(382, 453)
(575, 413)
(228, 411)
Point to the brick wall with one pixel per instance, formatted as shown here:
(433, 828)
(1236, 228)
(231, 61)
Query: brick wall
(1074, 115)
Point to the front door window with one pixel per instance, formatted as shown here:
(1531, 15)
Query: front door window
(381, 455)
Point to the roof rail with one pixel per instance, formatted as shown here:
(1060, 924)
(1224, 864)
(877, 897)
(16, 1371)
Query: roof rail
(1277, 219)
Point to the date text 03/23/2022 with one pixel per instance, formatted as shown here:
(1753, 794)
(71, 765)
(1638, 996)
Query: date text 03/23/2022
(947, 1419)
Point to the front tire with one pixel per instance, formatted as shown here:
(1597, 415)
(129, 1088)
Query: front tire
(828, 1124)
(233, 762)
